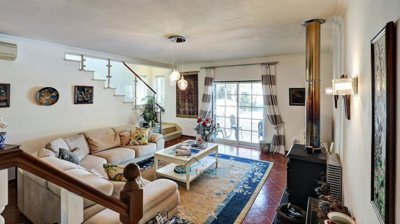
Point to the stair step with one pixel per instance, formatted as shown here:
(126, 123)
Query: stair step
(168, 128)
(173, 135)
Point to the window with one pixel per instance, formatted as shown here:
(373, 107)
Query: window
(160, 89)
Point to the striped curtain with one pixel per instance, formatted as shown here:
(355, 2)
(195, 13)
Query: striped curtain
(205, 109)
(273, 114)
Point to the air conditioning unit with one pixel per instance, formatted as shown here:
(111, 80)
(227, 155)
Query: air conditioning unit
(8, 51)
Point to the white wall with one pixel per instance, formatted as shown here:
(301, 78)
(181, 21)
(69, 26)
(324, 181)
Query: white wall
(290, 74)
(41, 64)
(363, 19)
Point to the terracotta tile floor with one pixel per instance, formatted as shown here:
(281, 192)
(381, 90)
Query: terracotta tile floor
(262, 211)
(264, 208)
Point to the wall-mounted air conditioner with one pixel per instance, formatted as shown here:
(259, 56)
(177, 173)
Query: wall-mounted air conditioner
(8, 51)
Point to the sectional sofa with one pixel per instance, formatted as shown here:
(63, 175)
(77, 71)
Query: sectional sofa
(39, 200)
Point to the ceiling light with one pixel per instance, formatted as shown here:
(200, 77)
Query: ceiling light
(175, 75)
(182, 83)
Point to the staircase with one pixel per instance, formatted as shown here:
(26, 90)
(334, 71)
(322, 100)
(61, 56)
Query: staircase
(121, 77)
(171, 131)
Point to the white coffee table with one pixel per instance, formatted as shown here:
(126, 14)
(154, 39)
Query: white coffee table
(194, 164)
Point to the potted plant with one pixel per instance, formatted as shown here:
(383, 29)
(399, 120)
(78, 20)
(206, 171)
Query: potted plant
(3, 134)
(149, 113)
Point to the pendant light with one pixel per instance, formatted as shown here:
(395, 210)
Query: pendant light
(175, 75)
(182, 83)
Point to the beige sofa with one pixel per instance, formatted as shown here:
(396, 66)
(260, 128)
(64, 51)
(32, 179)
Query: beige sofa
(39, 200)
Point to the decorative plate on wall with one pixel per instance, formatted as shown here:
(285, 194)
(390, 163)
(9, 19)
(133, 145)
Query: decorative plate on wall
(47, 96)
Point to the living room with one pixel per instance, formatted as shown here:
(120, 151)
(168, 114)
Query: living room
(118, 54)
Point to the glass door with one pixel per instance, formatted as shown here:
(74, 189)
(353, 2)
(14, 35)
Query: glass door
(238, 108)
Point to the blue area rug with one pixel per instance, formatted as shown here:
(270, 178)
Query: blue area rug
(236, 202)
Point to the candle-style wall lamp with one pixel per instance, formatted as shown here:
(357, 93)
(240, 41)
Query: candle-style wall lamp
(343, 87)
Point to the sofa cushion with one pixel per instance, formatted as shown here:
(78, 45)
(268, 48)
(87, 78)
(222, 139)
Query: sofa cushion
(77, 141)
(154, 137)
(101, 184)
(142, 150)
(45, 153)
(59, 163)
(117, 155)
(102, 139)
(124, 133)
(157, 191)
(125, 137)
(93, 162)
(56, 144)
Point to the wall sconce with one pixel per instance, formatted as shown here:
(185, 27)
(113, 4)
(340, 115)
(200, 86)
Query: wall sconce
(343, 87)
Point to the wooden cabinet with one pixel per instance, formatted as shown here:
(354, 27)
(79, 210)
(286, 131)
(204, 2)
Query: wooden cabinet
(303, 172)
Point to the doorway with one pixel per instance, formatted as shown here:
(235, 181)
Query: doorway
(238, 109)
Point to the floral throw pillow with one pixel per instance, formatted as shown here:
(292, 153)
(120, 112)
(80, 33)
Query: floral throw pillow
(140, 136)
(114, 172)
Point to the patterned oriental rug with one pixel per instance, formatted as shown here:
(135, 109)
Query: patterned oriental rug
(219, 196)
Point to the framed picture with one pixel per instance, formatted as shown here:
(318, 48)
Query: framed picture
(83, 95)
(4, 95)
(297, 96)
(383, 153)
(187, 101)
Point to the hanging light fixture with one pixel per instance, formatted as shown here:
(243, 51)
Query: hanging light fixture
(175, 75)
(182, 83)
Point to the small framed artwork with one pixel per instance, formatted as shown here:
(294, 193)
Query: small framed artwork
(4, 95)
(83, 95)
(383, 139)
(297, 96)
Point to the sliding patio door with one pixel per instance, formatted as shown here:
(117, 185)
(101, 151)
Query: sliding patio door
(238, 108)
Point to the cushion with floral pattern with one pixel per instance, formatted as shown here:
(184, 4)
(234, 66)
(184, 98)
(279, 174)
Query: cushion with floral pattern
(140, 136)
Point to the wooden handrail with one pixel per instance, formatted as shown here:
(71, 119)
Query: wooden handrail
(130, 211)
(133, 72)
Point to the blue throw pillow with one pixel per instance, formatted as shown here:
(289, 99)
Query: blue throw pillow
(68, 156)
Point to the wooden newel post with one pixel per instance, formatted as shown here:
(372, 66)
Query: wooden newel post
(132, 195)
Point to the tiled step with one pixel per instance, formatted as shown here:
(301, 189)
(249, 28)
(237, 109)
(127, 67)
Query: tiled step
(168, 128)
(173, 135)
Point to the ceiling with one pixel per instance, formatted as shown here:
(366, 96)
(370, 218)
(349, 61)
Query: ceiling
(215, 29)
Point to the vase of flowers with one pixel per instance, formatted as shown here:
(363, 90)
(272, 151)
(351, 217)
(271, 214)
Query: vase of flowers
(205, 129)
(3, 134)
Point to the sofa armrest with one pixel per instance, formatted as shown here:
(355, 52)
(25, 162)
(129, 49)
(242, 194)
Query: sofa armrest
(158, 139)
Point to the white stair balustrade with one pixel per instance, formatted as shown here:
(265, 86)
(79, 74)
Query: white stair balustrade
(71, 207)
(3, 192)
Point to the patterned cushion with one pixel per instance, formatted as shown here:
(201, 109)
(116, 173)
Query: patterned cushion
(140, 136)
(114, 172)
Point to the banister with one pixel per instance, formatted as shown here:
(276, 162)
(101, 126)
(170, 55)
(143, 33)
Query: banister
(133, 72)
(17, 157)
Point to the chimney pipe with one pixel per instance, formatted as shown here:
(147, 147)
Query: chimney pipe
(313, 36)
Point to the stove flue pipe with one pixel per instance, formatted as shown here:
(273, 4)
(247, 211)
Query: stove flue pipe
(313, 49)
